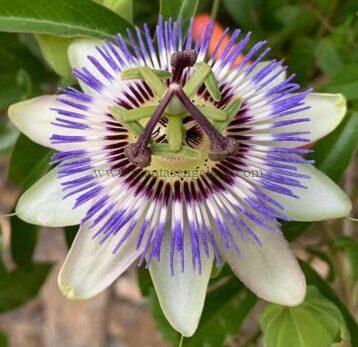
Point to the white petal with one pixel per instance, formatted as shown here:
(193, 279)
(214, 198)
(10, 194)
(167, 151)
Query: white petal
(181, 296)
(78, 51)
(280, 78)
(33, 117)
(91, 267)
(323, 199)
(271, 271)
(325, 113)
(43, 204)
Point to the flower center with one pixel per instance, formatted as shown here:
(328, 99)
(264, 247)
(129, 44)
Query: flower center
(175, 102)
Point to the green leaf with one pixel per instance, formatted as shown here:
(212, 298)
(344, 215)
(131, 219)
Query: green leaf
(22, 285)
(54, 50)
(70, 234)
(60, 17)
(293, 230)
(21, 72)
(333, 153)
(23, 241)
(346, 82)
(10, 91)
(314, 279)
(144, 281)
(328, 58)
(225, 309)
(302, 58)
(146, 11)
(179, 8)
(4, 342)
(2, 265)
(28, 163)
(15, 55)
(317, 322)
(350, 246)
(123, 8)
(246, 13)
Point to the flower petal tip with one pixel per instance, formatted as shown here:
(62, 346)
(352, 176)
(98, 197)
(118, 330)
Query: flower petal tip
(340, 104)
(69, 291)
(291, 293)
(292, 296)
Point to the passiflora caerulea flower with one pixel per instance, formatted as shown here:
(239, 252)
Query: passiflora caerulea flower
(178, 158)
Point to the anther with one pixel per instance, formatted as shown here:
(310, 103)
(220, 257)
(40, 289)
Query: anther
(138, 153)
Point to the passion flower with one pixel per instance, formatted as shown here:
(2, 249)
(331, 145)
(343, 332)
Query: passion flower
(178, 158)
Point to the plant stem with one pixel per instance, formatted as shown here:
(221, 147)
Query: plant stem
(214, 9)
(338, 259)
(252, 339)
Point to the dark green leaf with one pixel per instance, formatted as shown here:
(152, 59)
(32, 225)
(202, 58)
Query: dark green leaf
(346, 82)
(144, 281)
(3, 340)
(2, 265)
(22, 285)
(302, 58)
(295, 19)
(54, 50)
(333, 153)
(314, 279)
(344, 39)
(350, 246)
(60, 17)
(245, 13)
(145, 11)
(293, 230)
(15, 55)
(70, 234)
(317, 322)
(23, 241)
(288, 15)
(10, 91)
(179, 8)
(225, 310)
(21, 71)
(328, 58)
(123, 8)
(29, 162)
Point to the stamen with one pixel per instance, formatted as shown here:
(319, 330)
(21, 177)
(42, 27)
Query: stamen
(220, 146)
(181, 60)
(139, 153)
